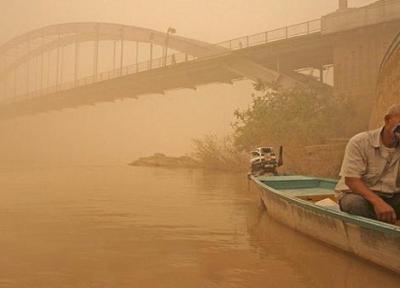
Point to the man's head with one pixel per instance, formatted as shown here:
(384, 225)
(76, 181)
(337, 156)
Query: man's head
(392, 118)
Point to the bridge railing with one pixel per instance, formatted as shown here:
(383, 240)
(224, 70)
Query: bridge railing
(287, 32)
(273, 35)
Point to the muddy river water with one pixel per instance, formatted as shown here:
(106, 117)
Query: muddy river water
(122, 226)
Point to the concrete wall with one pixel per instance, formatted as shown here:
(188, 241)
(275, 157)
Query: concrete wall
(318, 160)
(388, 88)
(352, 18)
(360, 37)
(357, 57)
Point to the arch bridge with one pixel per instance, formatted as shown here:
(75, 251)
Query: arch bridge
(73, 64)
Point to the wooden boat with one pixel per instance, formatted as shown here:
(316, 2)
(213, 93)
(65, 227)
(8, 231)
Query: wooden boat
(292, 201)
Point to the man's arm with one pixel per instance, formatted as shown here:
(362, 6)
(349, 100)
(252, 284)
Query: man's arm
(384, 212)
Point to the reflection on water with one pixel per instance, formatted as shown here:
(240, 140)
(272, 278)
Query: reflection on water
(120, 226)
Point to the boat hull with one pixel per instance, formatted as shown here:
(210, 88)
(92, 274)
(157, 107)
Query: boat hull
(366, 238)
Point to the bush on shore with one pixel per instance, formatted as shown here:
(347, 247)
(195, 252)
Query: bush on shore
(219, 153)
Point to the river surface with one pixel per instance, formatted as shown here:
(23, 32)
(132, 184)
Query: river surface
(122, 226)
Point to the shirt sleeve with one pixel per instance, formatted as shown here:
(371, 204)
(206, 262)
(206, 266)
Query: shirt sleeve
(354, 161)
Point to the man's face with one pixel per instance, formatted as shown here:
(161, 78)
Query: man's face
(392, 122)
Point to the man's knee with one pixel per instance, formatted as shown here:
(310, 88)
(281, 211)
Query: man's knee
(357, 205)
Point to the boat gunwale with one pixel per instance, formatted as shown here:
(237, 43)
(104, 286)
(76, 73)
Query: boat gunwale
(344, 216)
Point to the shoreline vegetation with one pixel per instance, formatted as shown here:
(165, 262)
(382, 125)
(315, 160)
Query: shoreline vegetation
(317, 160)
(310, 123)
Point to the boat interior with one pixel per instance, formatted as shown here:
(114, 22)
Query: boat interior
(310, 189)
(319, 191)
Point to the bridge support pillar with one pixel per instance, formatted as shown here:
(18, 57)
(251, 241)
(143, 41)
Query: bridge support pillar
(96, 59)
(343, 4)
(48, 68)
(151, 55)
(61, 64)
(76, 65)
(15, 83)
(96, 54)
(58, 65)
(121, 64)
(151, 37)
(321, 74)
(28, 69)
(137, 56)
(41, 67)
(115, 56)
(3, 93)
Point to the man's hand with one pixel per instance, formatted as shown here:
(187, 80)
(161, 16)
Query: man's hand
(384, 212)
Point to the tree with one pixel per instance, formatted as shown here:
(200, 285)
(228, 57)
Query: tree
(300, 116)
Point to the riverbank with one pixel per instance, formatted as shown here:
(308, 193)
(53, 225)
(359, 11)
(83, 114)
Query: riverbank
(317, 160)
(161, 160)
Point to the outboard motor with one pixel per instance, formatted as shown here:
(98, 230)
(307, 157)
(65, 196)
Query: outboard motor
(263, 160)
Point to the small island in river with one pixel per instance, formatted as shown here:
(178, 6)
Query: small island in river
(161, 160)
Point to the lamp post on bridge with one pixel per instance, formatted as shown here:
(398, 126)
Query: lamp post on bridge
(169, 31)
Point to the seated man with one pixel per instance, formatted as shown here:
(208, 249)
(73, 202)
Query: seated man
(370, 180)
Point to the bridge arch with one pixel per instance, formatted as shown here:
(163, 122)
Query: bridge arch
(216, 62)
(71, 33)
(34, 44)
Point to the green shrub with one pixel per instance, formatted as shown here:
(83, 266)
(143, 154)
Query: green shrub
(297, 116)
(294, 118)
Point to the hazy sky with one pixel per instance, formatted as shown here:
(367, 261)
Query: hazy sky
(120, 132)
(208, 20)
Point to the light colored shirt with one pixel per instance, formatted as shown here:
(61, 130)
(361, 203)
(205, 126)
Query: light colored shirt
(376, 165)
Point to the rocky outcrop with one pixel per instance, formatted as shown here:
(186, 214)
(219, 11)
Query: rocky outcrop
(161, 160)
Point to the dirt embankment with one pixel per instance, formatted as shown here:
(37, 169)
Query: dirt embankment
(318, 160)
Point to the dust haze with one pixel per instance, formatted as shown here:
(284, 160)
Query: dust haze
(126, 129)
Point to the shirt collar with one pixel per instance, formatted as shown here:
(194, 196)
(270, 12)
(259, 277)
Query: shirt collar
(375, 137)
